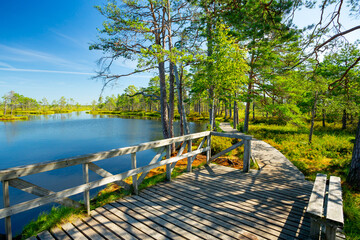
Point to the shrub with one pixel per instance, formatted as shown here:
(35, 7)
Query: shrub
(219, 144)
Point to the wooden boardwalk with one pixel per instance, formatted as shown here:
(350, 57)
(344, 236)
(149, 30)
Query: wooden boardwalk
(215, 202)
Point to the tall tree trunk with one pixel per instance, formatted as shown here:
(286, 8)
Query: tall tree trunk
(344, 120)
(181, 105)
(313, 113)
(353, 177)
(248, 100)
(226, 110)
(235, 121)
(230, 112)
(163, 101)
(253, 111)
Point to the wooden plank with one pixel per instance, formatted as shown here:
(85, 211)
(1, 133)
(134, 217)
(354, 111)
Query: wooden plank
(87, 191)
(134, 177)
(138, 224)
(181, 208)
(168, 166)
(217, 205)
(120, 232)
(146, 218)
(73, 232)
(263, 210)
(40, 191)
(290, 193)
(205, 231)
(103, 173)
(334, 212)
(247, 154)
(138, 233)
(271, 191)
(26, 170)
(316, 202)
(45, 235)
(231, 135)
(99, 227)
(181, 150)
(59, 234)
(189, 160)
(5, 212)
(87, 230)
(227, 150)
(241, 228)
(6, 202)
(167, 220)
(208, 153)
(158, 156)
(199, 147)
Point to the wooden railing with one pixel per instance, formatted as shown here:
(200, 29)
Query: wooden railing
(12, 176)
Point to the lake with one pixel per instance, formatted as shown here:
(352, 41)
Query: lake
(51, 137)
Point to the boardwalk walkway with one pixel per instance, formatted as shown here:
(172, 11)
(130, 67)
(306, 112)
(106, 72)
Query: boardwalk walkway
(215, 202)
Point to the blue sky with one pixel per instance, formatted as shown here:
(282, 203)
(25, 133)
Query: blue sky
(44, 49)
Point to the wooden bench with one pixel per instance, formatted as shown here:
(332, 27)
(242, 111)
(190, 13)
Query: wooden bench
(325, 207)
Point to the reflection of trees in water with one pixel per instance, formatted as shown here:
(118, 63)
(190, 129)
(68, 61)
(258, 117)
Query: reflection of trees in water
(10, 130)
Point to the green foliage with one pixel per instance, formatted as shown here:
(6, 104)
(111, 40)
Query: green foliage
(219, 144)
(352, 213)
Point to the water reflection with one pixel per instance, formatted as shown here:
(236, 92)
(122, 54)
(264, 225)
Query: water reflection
(51, 137)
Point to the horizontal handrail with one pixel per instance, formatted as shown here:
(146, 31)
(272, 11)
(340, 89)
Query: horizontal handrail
(11, 176)
(15, 172)
(232, 135)
(24, 206)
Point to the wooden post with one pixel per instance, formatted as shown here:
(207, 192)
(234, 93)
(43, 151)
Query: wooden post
(247, 153)
(168, 166)
(314, 229)
(6, 199)
(134, 177)
(87, 191)
(189, 160)
(208, 153)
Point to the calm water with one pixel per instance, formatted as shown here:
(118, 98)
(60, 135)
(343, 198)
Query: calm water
(57, 136)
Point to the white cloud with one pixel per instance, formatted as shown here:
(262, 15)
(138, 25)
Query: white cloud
(68, 38)
(43, 71)
(24, 55)
(3, 64)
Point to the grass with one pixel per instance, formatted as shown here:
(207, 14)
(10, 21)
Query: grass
(12, 118)
(329, 153)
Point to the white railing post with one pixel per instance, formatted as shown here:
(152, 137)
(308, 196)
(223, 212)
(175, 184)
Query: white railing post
(6, 199)
(208, 153)
(134, 177)
(247, 153)
(168, 166)
(87, 191)
(189, 159)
